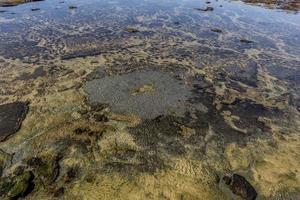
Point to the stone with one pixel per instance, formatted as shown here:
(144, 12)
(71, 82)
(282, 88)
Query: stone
(240, 187)
(11, 117)
(100, 117)
(216, 30)
(131, 30)
(46, 167)
(246, 41)
(72, 7)
(205, 9)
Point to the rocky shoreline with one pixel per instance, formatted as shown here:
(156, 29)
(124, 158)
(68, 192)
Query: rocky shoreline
(9, 3)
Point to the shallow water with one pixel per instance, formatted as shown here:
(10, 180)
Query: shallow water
(150, 99)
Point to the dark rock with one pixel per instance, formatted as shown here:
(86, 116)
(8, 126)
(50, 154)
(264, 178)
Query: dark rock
(11, 117)
(46, 168)
(240, 186)
(216, 30)
(131, 30)
(205, 9)
(100, 117)
(35, 9)
(94, 62)
(72, 7)
(35, 161)
(87, 131)
(246, 41)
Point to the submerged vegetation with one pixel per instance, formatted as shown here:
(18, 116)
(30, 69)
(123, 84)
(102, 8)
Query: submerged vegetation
(149, 100)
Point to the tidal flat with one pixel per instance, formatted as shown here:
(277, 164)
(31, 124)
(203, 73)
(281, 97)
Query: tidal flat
(150, 99)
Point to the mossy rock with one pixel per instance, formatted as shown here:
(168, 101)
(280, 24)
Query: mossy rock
(5, 185)
(18, 186)
(46, 168)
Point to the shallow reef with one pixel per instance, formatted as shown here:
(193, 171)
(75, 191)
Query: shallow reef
(149, 100)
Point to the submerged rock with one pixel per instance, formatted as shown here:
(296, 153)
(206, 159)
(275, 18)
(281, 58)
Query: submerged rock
(35, 9)
(246, 75)
(240, 186)
(72, 7)
(205, 9)
(249, 113)
(246, 41)
(131, 30)
(38, 72)
(216, 30)
(46, 168)
(11, 117)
